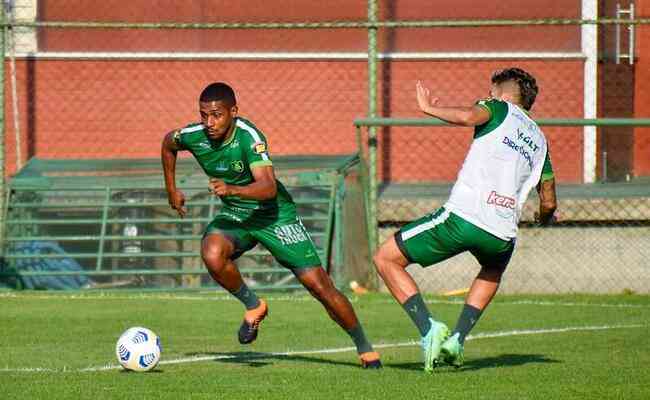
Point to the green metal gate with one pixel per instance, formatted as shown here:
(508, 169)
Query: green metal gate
(111, 217)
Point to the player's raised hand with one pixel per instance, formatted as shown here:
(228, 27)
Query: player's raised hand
(424, 97)
(177, 202)
(219, 187)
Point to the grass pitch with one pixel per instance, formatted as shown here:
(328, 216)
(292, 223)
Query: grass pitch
(62, 346)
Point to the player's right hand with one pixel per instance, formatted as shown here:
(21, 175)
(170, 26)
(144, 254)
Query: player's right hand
(177, 202)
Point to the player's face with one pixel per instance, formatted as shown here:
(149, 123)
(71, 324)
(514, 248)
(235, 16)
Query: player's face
(217, 117)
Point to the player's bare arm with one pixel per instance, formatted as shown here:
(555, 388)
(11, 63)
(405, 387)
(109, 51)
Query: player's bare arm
(464, 116)
(547, 201)
(264, 186)
(168, 152)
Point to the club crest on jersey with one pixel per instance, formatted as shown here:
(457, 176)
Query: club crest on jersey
(237, 166)
(259, 148)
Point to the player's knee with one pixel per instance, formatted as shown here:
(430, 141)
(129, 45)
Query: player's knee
(214, 254)
(492, 273)
(381, 259)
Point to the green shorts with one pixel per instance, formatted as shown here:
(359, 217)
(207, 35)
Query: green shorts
(443, 234)
(280, 231)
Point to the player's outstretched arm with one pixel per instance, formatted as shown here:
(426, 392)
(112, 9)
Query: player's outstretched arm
(168, 152)
(465, 116)
(264, 186)
(547, 201)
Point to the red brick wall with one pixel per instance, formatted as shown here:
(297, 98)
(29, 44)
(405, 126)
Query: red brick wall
(121, 109)
(97, 109)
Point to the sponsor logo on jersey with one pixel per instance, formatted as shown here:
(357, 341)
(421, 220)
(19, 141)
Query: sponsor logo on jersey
(221, 167)
(205, 145)
(519, 148)
(532, 126)
(259, 148)
(237, 166)
(505, 206)
(527, 140)
(501, 201)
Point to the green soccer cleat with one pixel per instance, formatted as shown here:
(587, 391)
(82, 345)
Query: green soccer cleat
(451, 351)
(431, 343)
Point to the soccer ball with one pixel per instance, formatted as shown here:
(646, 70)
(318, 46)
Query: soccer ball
(138, 349)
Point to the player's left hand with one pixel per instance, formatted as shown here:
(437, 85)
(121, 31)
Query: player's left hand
(219, 187)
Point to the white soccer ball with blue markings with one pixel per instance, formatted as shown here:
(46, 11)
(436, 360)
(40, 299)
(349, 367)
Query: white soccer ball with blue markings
(138, 349)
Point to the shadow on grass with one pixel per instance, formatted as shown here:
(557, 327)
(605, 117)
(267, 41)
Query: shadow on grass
(255, 359)
(503, 360)
(153, 371)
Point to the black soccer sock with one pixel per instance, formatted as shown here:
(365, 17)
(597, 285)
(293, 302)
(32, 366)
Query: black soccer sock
(468, 318)
(417, 310)
(247, 297)
(359, 338)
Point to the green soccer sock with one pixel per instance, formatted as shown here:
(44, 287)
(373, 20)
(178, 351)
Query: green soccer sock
(247, 297)
(417, 310)
(468, 318)
(359, 338)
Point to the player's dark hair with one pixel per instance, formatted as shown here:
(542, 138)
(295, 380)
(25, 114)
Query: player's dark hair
(218, 91)
(526, 82)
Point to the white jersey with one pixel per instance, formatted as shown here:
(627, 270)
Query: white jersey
(504, 162)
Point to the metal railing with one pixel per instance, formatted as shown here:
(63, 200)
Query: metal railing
(371, 153)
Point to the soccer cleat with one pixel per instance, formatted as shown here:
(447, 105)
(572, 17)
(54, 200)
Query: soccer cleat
(431, 344)
(251, 323)
(451, 351)
(370, 360)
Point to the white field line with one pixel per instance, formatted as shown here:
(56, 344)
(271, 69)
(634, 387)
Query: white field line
(185, 360)
(293, 298)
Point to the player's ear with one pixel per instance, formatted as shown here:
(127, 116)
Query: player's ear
(234, 110)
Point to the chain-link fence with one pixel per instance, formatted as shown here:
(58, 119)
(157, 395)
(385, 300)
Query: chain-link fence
(93, 80)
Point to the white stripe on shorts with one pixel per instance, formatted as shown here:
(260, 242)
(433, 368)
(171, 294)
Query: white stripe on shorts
(406, 235)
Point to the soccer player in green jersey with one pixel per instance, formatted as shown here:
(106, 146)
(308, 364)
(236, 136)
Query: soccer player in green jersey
(256, 209)
(508, 157)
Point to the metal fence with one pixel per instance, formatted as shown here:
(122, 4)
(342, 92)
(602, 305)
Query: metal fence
(107, 80)
(600, 244)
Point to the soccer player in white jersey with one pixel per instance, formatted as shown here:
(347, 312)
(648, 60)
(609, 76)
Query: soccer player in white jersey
(508, 157)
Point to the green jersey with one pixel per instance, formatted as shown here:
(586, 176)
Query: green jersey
(232, 161)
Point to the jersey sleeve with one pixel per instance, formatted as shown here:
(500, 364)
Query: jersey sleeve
(182, 136)
(498, 112)
(496, 108)
(547, 169)
(178, 139)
